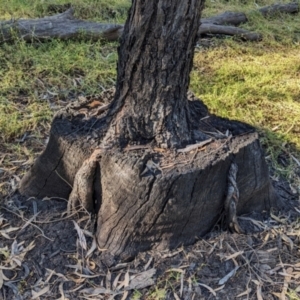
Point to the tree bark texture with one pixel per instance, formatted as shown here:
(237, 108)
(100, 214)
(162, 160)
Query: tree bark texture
(147, 197)
(73, 138)
(166, 207)
(155, 59)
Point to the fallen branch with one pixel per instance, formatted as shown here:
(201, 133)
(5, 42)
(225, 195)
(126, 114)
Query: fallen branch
(64, 26)
(61, 26)
(229, 30)
(273, 10)
(238, 18)
(226, 18)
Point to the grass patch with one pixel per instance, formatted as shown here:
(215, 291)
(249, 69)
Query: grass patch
(97, 10)
(254, 85)
(254, 82)
(34, 78)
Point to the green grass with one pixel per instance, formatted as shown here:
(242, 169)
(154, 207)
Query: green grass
(97, 10)
(254, 82)
(259, 86)
(34, 77)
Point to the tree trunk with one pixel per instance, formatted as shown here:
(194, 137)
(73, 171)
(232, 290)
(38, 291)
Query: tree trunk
(155, 59)
(158, 169)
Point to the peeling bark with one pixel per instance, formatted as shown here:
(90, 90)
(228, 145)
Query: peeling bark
(232, 200)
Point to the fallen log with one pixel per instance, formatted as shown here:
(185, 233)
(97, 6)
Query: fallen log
(273, 10)
(238, 18)
(64, 26)
(61, 26)
(213, 29)
(226, 18)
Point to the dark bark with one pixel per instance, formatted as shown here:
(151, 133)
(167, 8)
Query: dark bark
(142, 205)
(173, 206)
(155, 59)
(72, 140)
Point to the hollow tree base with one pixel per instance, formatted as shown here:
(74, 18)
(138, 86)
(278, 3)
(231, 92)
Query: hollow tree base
(147, 197)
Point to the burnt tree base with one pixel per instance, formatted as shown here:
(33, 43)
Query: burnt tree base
(147, 197)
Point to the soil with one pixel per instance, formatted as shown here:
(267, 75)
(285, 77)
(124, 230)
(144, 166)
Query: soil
(262, 264)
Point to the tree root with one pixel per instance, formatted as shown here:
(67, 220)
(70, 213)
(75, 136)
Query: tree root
(83, 187)
(232, 199)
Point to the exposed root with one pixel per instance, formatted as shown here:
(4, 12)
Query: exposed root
(83, 188)
(232, 199)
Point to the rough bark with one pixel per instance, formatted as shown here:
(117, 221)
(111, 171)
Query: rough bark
(147, 197)
(72, 140)
(174, 206)
(155, 59)
(65, 26)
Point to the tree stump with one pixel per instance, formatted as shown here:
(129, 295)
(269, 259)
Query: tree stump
(148, 197)
(149, 159)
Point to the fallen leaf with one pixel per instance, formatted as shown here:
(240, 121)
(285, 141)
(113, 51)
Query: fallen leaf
(234, 255)
(228, 276)
(92, 249)
(81, 237)
(245, 293)
(142, 280)
(43, 291)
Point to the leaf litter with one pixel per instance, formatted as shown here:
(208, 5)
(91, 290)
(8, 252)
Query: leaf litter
(45, 254)
(259, 265)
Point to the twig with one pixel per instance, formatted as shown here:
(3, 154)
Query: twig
(194, 146)
(25, 220)
(136, 147)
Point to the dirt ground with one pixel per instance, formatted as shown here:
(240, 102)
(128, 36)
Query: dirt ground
(44, 256)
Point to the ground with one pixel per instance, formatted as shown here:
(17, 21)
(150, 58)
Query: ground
(43, 256)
